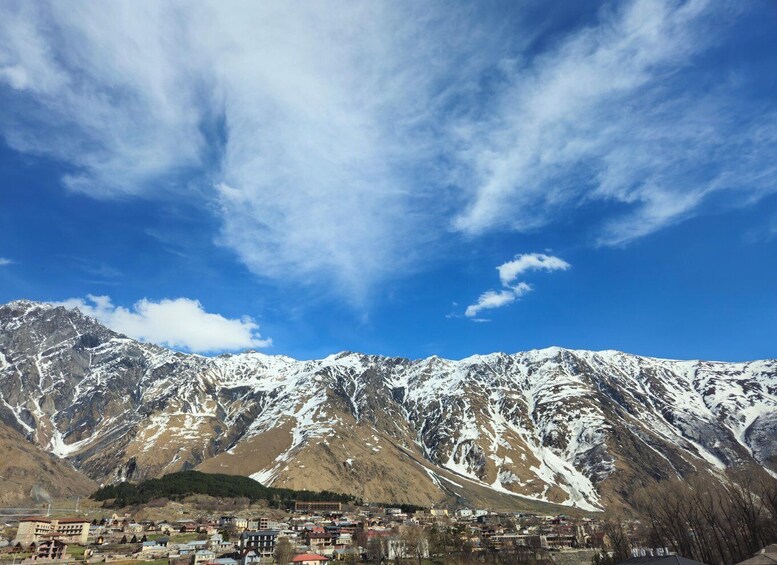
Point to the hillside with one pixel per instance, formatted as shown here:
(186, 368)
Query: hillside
(29, 474)
(579, 429)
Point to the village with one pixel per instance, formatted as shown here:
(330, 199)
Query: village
(311, 533)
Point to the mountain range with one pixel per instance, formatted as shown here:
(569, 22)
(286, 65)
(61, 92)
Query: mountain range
(573, 429)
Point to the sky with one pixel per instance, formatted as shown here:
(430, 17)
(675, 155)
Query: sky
(396, 178)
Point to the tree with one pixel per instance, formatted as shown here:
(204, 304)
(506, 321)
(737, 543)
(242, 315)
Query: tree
(602, 558)
(619, 538)
(284, 552)
(375, 550)
(414, 543)
(711, 521)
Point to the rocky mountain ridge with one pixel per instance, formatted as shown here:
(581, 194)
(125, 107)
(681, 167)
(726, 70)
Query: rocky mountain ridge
(576, 428)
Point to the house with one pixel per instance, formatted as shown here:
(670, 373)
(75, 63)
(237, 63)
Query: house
(309, 559)
(347, 553)
(117, 522)
(250, 557)
(186, 526)
(203, 556)
(240, 524)
(157, 546)
(223, 561)
(134, 528)
(320, 541)
(217, 544)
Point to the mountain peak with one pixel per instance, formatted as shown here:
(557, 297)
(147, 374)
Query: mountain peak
(550, 425)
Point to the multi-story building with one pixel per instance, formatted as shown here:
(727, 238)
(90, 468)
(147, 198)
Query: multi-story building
(320, 541)
(260, 541)
(51, 550)
(320, 506)
(36, 528)
(260, 523)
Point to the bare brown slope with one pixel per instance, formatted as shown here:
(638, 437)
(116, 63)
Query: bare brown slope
(29, 474)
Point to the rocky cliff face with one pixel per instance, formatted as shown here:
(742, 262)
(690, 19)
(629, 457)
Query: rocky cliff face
(577, 428)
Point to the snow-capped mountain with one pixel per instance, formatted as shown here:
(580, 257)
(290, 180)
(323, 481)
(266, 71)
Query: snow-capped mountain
(576, 428)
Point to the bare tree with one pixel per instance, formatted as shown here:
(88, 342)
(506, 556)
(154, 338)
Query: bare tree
(284, 552)
(712, 521)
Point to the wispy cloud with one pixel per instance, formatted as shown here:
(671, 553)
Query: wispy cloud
(179, 323)
(512, 290)
(341, 143)
(619, 113)
(4, 261)
(311, 124)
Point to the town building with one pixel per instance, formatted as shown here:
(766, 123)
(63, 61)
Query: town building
(50, 550)
(317, 507)
(261, 541)
(309, 559)
(36, 528)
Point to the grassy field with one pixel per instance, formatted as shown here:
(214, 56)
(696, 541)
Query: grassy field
(76, 551)
(183, 538)
(9, 557)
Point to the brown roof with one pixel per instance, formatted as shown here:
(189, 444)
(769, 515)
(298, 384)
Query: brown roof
(73, 521)
(35, 519)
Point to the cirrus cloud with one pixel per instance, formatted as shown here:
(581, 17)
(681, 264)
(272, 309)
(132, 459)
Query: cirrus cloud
(342, 143)
(179, 323)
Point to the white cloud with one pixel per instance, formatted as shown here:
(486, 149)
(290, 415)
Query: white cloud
(496, 299)
(180, 323)
(340, 142)
(311, 124)
(4, 261)
(619, 113)
(512, 291)
(511, 270)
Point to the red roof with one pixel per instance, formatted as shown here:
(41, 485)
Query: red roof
(308, 557)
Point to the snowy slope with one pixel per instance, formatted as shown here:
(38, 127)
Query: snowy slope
(578, 428)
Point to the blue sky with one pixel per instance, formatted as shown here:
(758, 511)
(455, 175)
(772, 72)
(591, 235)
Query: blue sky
(307, 178)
